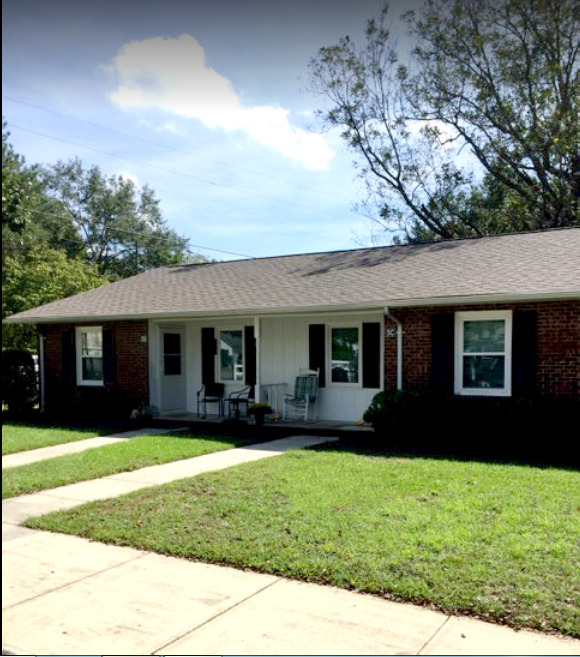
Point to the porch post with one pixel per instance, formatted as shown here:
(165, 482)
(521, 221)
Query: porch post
(257, 336)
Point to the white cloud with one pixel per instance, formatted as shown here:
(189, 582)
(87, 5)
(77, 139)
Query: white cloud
(172, 75)
(167, 126)
(444, 134)
(129, 177)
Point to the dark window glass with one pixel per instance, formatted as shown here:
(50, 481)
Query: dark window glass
(171, 354)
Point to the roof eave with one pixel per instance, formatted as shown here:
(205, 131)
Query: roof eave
(478, 299)
(473, 299)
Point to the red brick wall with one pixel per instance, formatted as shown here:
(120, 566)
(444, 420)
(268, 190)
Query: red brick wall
(132, 361)
(558, 344)
(132, 364)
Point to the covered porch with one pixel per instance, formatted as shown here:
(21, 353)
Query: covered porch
(311, 426)
(267, 354)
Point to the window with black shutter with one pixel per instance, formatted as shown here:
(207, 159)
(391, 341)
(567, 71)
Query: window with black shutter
(317, 351)
(371, 354)
(208, 352)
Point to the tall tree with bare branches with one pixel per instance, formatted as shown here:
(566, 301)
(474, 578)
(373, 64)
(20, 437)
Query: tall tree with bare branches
(474, 130)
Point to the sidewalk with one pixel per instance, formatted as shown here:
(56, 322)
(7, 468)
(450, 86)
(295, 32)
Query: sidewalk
(65, 595)
(16, 510)
(43, 453)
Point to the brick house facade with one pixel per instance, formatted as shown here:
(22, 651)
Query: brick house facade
(555, 371)
(495, 317)
(128, 369)
(552, 362)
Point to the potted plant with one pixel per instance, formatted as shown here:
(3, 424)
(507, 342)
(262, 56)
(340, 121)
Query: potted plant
(259, 410)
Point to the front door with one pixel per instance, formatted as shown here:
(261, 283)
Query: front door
(172, 370)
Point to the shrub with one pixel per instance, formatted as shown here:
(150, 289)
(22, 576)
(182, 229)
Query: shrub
(396, 410)
(90, 405)
(538, 429)
(19, 380)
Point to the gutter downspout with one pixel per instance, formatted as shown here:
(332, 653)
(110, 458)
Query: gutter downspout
(41, 375)
(258, 338)
(387, 314)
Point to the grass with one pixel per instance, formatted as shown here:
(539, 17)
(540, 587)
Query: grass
(24, 437)
(102, 461)
(500, 542)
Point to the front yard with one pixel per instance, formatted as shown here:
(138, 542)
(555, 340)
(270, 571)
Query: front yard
(500, 542)
(125, 456)
(24, 437)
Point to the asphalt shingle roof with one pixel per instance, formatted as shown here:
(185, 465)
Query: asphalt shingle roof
(509, 266)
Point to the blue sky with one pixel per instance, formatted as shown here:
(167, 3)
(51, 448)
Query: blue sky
(204, 101)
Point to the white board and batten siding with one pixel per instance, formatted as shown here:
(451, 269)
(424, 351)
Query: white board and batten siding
(284, 352)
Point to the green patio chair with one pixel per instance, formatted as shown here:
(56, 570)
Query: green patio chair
(305, 395)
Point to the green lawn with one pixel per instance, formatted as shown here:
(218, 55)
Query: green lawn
(23, 437)
(102, 461)
(500, 542)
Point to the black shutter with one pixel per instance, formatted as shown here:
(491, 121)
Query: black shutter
(442, 352)
(68, 358)
(524, 352)
(208, 351)
(371, 355)
(109, 357)
(317, 351)
(250, 356)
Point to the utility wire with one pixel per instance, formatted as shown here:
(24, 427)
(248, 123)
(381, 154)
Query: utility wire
(154, 166)
(155, 143)
(140, 234)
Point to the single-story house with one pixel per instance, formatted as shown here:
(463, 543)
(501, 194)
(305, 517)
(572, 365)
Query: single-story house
(494, 316)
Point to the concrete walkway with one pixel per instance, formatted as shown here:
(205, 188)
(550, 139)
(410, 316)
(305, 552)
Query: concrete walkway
(43, 453)
(16, 510)
(65, 595)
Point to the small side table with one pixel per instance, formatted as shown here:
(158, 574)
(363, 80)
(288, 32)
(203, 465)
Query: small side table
(234, 404)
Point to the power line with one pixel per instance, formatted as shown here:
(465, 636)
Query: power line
(154, 166)
(122, 157)
(140, 234)
(155, 143)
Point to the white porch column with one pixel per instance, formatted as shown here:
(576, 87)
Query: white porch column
(257, 336)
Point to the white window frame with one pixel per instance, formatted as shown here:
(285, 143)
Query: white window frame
(79, 330)
(343, 384)
(238, 382)
(483, 315)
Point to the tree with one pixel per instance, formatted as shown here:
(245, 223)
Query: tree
(33, 273)
(19, 187)
(497, 80)
(19, 380)
(118, 228)
(39, 276)
(29, 215)
(66, 230)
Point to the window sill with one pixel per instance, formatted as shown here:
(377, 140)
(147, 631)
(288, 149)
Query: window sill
(483, 392)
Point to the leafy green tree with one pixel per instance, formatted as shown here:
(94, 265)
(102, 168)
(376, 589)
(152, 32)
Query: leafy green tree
(40, 276)
(495, 80)
(120, 228)
(19, 187)
(66, 229)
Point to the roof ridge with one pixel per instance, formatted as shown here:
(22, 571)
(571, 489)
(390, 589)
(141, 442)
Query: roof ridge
(385, 246)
